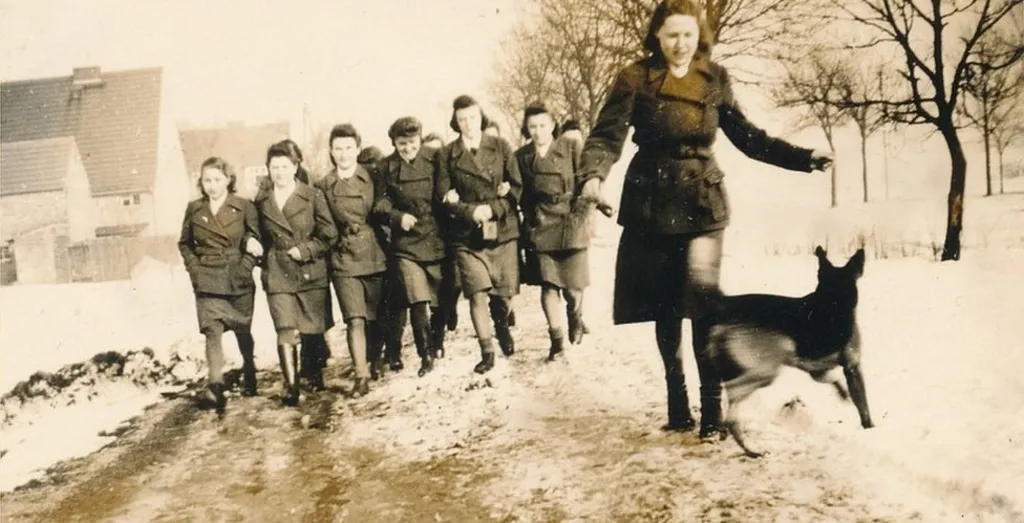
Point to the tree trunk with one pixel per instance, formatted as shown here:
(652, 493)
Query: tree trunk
(987, 135)
(955, 200)
(864, 163)
(1001, 171)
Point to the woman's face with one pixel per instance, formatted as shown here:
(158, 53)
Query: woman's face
(408, 147)
(468, 120)
(541, 128)
(282, 171)
(214, 182)
(678, 37)
(345, 152)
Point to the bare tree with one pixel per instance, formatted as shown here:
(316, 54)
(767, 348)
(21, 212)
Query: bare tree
(857, 88)
(1007, 128)
(936, 39)
(990, 91)
(812, 84)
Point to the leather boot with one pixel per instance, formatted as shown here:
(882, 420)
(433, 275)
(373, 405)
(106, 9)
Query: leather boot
(287, 355)
(426, 353)
(679, 417)
(246, 346)
(486, 363)
(500, 314)
(711, 418)
(576, 327)
(437, 327)
(557, 344)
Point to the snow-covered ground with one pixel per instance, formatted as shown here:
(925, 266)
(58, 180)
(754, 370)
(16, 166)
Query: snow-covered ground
(942, 357)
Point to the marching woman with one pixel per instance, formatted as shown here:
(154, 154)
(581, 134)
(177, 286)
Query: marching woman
(674, 205)
(478, 180)
(220, 245)
(417, 249)
(557, 225)
(297, 232)
(357, 261)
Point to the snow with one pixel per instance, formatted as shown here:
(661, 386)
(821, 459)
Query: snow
(942, 350)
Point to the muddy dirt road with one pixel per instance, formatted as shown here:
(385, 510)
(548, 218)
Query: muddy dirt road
(576, 440)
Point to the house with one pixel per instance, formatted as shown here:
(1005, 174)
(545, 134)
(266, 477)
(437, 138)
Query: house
(128, 144)
(45, 204)
(244, 147)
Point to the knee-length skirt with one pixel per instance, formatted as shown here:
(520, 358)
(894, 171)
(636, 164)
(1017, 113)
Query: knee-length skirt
(492, 269)
(568, 269)
(307, 311)
(658, 276)
(229, 313)
(419, 281)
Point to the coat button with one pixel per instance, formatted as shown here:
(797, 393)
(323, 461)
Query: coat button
(306, 276)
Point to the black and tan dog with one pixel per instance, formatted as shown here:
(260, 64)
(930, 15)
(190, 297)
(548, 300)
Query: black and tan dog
(755, 335)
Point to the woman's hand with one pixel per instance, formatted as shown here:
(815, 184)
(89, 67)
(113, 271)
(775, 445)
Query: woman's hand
(482, 213)
(504, 189)
(295, 254)
(253, 247)
(591, 190)
(451, 197)
(822, 160)
(408, 222)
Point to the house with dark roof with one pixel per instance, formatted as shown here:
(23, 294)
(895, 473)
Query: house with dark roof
(244, 147)
(45, 204)
(126, 139)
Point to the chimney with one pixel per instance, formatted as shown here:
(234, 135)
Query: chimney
(82, 77)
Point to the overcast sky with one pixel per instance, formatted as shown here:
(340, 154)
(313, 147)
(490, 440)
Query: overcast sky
(259, 60)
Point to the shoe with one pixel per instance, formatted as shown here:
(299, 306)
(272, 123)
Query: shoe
(576, 328)
(557, 348)
(486, 363)
(395, 364)
(711, 419)
(679, 417)
(288, 356)
(426, 365)
(361, 387)
(249, 379)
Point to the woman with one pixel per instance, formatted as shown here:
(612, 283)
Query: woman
(557, 224)
(220, 245)
(674, 206)
(297, 233)
(417, 249)
(357, 262)
(478, 180)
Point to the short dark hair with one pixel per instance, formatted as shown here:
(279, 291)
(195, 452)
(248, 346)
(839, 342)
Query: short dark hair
(571, 125)
(342, 130)
(433, 136)
(462, 102)
(667, 8)
(533, 110)
(281, 149)
(370, 155)
(216, 162)
(405, 127)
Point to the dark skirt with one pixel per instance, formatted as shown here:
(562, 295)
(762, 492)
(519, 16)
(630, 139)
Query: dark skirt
(227, 313)
(359, 296)
(307, 311)
(492, 269)
(658, 276)
(569, 269)
(420, 281)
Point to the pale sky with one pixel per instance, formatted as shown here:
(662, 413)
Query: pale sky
(363, 61)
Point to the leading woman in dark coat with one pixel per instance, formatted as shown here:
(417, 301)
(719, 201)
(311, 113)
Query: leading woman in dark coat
(297, 232)
(674, 205)
(219, 243)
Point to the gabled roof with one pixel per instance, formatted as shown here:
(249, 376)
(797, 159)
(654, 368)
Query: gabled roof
(34, 166)
(240, 145)
(114, 118)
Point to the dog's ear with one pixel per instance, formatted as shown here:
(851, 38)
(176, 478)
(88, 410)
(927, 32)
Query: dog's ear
(856, 263)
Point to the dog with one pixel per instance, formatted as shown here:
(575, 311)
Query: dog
(754, 335)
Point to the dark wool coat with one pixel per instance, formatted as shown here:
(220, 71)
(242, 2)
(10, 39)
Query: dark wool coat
(551, 220)
(409, 188)
(360, 250)
(305, 222)
(213, 247)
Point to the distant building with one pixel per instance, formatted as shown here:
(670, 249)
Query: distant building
(244, 147)
(125, 137)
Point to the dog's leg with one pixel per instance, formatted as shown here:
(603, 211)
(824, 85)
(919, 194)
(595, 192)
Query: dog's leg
(830, 378)
(739, 390)
(855, 380)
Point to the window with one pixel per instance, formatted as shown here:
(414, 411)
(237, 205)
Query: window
(137, 199)
(126, 201)
(7, 252)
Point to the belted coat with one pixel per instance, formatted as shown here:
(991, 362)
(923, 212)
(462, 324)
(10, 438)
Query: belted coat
(213, 246)
(408, 188)
(553, 219)
(304, 222)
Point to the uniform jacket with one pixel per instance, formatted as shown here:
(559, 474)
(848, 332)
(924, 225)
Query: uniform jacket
(476, 177)
(305, 222)
(213, 246)
(409, 189)
(673, 184)
(359, 251)
(553, 220)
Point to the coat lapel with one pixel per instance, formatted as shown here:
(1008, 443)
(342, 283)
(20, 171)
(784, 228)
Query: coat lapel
(691, 87)
(296, 203)
(467, 161)
(230, 212)
(417, 170)
(206, 220)
(270, 210)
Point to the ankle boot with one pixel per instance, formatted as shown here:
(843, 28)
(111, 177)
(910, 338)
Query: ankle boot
(246, 347)
(557, 344)
(500, 315)
(575, 327)
(679, 417)
(426, 365)
(437, 327)
(287, 355)
(711, 418)
(486, 363)
(361, 387)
